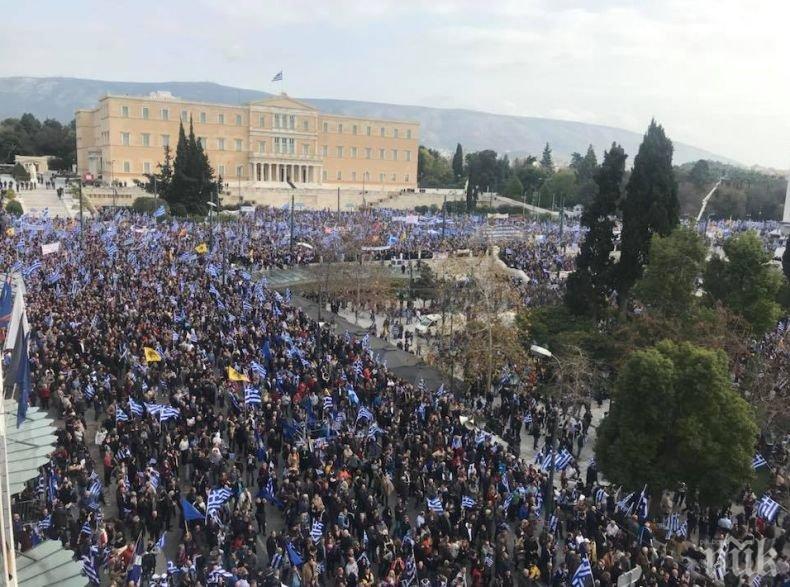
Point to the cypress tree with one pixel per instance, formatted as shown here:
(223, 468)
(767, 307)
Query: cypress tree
(651, 206)
(458, 163)
(177, 194)
(591, 283)
(192, 184)
(546, 161)
(786, 259)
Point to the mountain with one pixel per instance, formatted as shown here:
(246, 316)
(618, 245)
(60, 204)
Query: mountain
(58, 97)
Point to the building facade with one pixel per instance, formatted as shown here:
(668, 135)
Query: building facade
(263, 143)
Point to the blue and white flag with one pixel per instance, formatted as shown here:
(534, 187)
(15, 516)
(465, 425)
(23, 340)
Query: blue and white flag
(625, 504)
(123, 453)
(642, 505)
(767, 508)
(467, 502)
(758, 461)
(252, 396)
(583, 575)
(258, 369)
(327, 402)
(159, 212)
(317, 531)
(120, 415)
(90, 570)
(364, 413)
(563, 459)
(278, 77)
(435, 505)
(44, 524)
(216, 498)
(169, 413)
(135, 408)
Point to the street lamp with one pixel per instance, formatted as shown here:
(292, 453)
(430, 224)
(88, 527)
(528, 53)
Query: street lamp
(545, 353)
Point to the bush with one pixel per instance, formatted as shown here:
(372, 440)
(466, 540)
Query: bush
(178, 210)
(146, 205)
(20, 173)
(14, 207)
(10, 194)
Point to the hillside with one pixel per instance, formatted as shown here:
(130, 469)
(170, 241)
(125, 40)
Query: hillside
(57, 98)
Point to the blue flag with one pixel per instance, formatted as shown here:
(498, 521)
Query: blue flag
(23, 381)
(190, 512)
(295, 558)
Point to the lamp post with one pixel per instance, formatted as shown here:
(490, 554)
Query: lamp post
(545, 353)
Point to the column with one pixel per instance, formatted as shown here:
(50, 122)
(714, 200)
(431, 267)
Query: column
(265, 172)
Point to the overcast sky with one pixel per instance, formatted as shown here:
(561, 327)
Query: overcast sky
(715, 73)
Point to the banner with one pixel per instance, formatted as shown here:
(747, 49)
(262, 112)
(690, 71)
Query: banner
(50, 248)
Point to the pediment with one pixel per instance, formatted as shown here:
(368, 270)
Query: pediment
(285, 102)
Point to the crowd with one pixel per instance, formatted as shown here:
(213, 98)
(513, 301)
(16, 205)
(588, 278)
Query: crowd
(213, 433)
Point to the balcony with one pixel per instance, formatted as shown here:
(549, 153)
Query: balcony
(267, 157)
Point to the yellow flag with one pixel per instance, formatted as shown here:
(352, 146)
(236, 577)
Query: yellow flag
(10, 231)
(234, 375)
(151, 356)
(202, 248)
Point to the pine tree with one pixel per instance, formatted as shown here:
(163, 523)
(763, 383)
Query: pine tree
(546, 162)
(591, 283)
(192, 183)
(458, 163)
(651, 206)
(177, 195)
(786, 260)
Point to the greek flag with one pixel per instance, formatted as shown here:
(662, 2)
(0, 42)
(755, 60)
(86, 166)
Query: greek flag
(123, 453)
(358, 368)
(216, 498)
(507, 502)
(89, 392)
(720, 566)
(159, 212)
(278, 77)
(528, 418)
(373, 430)
(482, 437)
(600, 495)
(45, 523)
(327, 402)
(258, 369)
(252, 396)
(317, 531)
(154, 476)
(546, 460)
(553, 521)
(563, 460)
(468, 502)
(219, 573)
(168, 412)
(95, 489)
(756, 580)
(758, 461)
(488, 560)
(625, 504)
(213, 272)
(246, 306)
(364, 413)
(160, 544)
(135, 408)
(153, 409)
(172, 569)
(35, 266)
(767, 508)
(86, 528)
(672, 524)
(582, 574)
(112, 249)
(277, 560)
(642, 506)
(89, 568)
(54, 277)
(683, 531)
(435, 505)
(441, 391)
(409, 574)
(120, 416)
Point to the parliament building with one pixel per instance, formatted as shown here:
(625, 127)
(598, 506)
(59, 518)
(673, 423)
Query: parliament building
(266, 143)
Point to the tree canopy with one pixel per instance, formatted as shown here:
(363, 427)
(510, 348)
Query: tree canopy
(433, 169)
(675, 418)
(29, 136)
(192, 184)
(745, 281)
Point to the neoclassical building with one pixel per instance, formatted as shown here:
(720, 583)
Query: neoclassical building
(263, 143)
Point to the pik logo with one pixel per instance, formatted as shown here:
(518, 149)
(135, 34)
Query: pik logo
(750, 557)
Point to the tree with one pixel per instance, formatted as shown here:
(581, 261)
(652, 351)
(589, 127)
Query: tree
(433, 169)
(745, 281)
(590, 285)
(786, 260)
(650, 207)
(483, 171)
(28, 136)
(458, 163)
(675, 263)
(700, 174)
(159, 183)
(513, 187)
(546, 162)
(14, 207)
(675, 418)
(560, 187)
(192, 185)
(585, 168)
(20, 173)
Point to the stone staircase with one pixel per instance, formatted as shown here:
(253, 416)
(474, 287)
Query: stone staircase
(36, 201)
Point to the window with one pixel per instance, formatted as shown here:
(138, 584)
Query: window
(339, 175)
(354, 129)
(127, 167)
(165, 140)
(326, 129)
(184, 116)
(261, 121)
(324, 151)
(368, 152)
(353, 176)
(292, 122)
(368, 131)
(305, 125)
(221, 170)
(340, 152)
(291, 146)
(394, 154)
(239, 170)
(238, 120)
(165, 114)
(261, 146)
(408, 133)
(394, 178)
(126, 138)
(238, 144)
(381, 131)
(277, 148)
(353, 152)
(305, 149)
(221, 144)
(125, 111)
(395, 133)
(324, 175)
(145, 140)
(382, 154)
(408, 155)
(276, 121)
(145, 112)
(146, 167)
(406, 178)
(340, 128)
(381, 177)
(202, 118)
